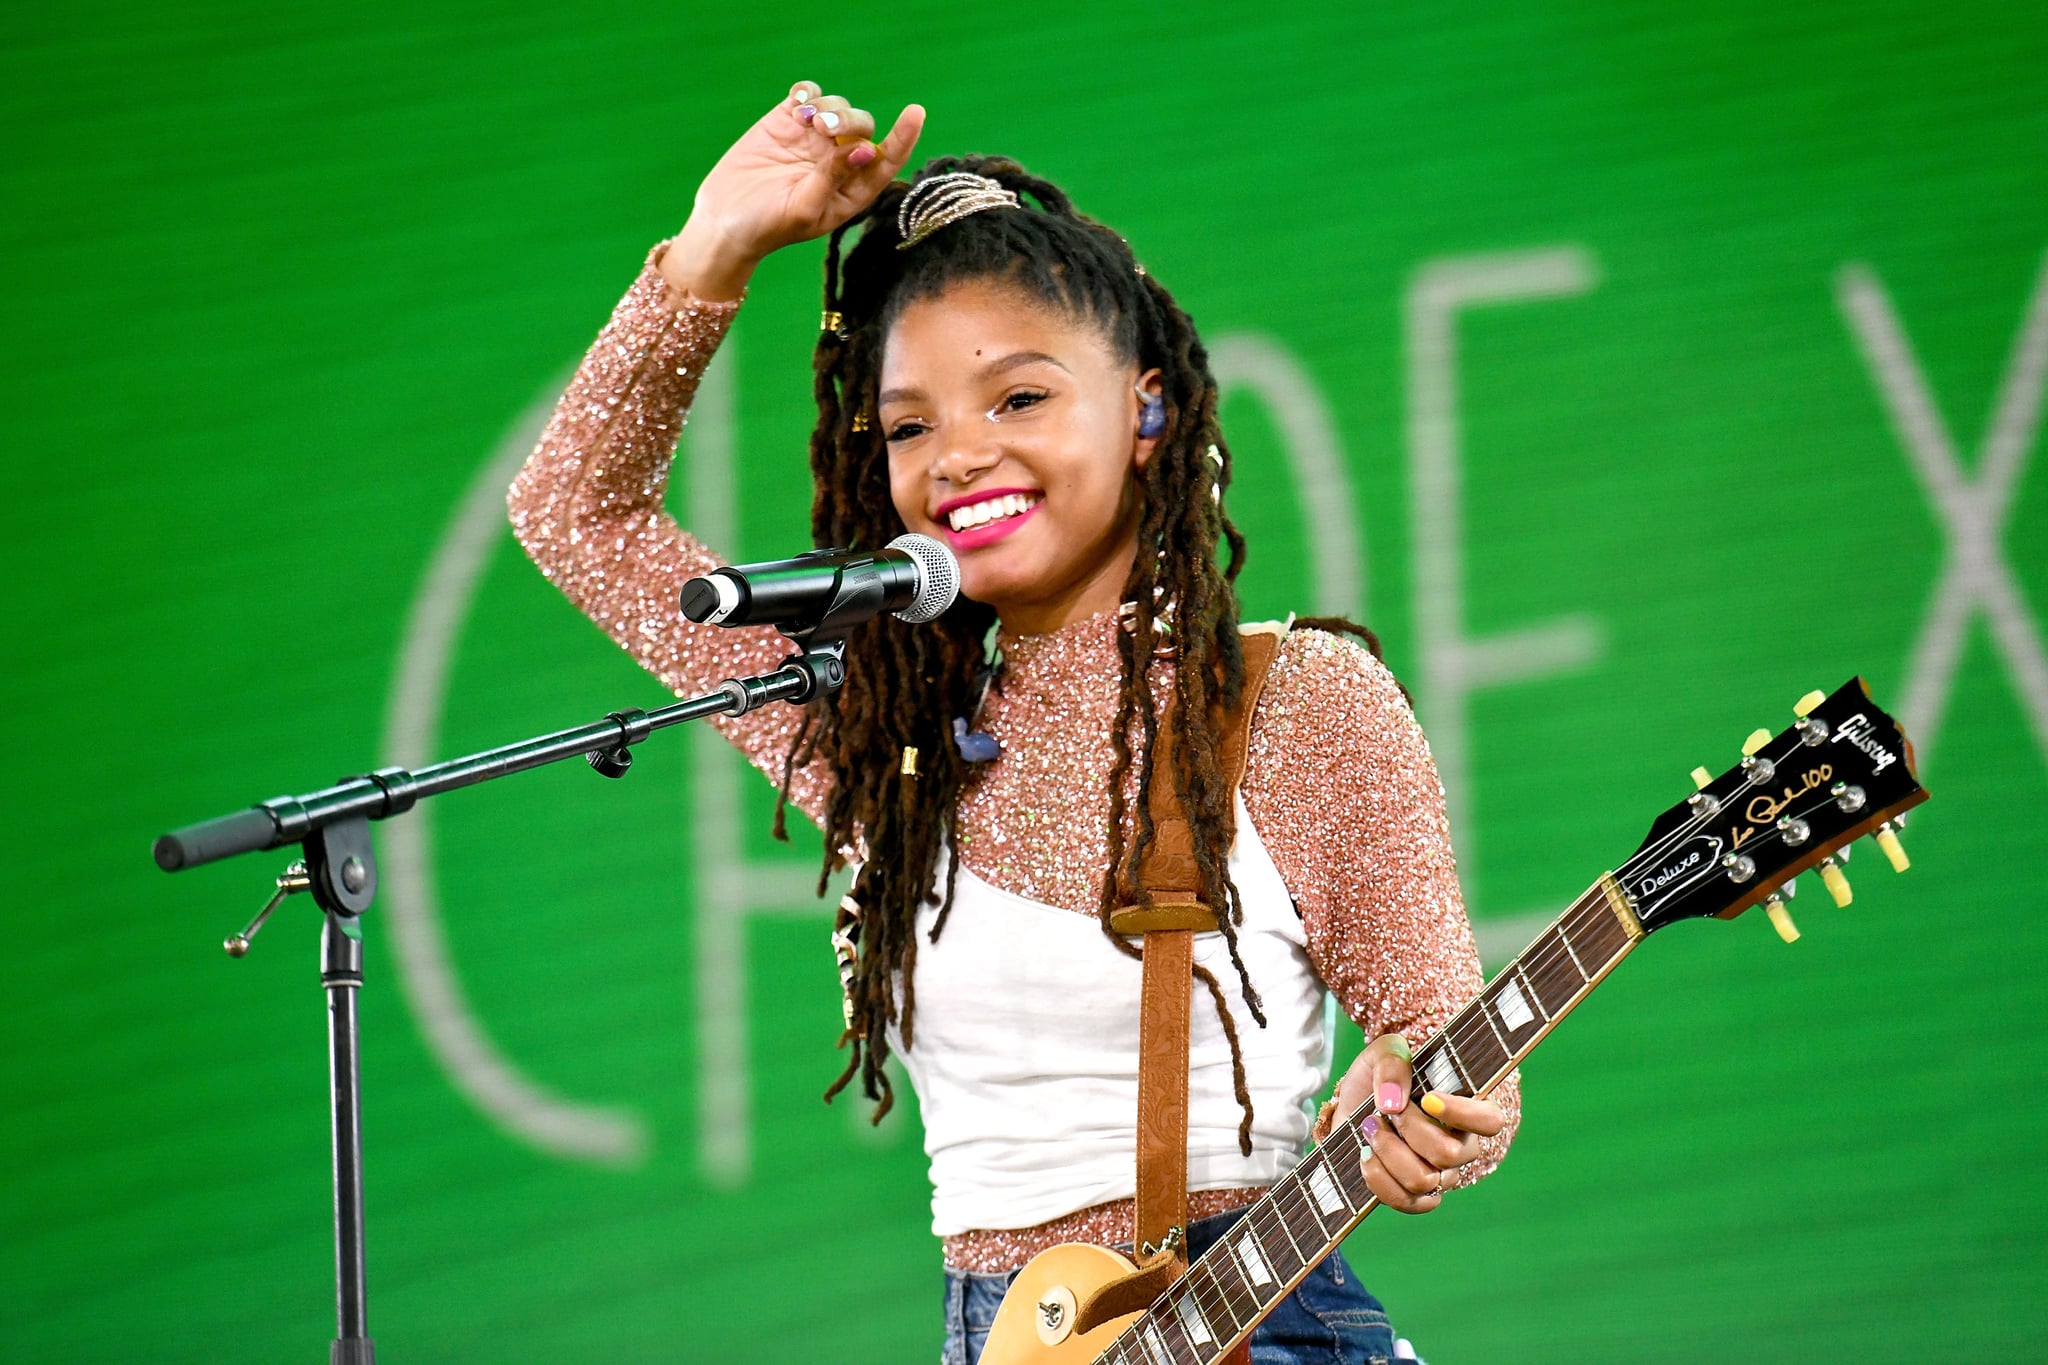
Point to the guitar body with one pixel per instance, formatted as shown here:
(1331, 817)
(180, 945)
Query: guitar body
(1035, 1325)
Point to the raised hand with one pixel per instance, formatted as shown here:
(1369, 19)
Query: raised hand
(805, 167)
(1414, 1147)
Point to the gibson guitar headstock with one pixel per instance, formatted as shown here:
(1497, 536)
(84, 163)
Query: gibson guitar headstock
(1797, 801)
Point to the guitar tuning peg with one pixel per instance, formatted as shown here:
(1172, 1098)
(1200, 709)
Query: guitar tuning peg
(1888, 840)
(1756, 741)
(1701, 778)
(1838, 885)
(1781, 917)
(1804, 707)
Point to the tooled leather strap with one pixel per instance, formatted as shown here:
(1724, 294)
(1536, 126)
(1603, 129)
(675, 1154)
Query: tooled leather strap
(1176, 914)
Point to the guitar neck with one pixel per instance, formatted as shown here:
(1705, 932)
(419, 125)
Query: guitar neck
(1287, 1231)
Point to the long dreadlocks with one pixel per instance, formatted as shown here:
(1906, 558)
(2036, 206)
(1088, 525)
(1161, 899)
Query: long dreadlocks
(904, 683)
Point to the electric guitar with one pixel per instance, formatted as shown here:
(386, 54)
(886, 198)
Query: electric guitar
(1796, 802)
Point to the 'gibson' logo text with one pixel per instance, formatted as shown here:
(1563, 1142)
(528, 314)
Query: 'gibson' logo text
(1860, 733)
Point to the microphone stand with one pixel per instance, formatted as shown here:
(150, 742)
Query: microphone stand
(338, 865)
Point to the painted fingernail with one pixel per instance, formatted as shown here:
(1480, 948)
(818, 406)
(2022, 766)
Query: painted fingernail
(830, 120)
(807, 112)
(1398, 1045)
(803, 94)
(1433, 1105)
(1369, 1126)
(1390, 1097)
(862, 155)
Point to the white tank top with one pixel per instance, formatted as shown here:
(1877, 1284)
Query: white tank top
(1026, 1063)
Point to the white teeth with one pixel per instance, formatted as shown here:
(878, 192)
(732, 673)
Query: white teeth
(981, 513)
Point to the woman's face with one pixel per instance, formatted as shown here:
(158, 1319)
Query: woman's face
(1013, 437)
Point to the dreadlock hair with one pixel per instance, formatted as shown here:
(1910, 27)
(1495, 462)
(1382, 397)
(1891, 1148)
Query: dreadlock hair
(905, 683)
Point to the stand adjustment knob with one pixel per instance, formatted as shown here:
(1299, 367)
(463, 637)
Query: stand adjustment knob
(292, 880)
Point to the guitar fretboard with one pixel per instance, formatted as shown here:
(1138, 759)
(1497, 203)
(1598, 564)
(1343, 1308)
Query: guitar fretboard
(1293, 1226)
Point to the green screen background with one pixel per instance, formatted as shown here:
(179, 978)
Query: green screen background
(282, 284)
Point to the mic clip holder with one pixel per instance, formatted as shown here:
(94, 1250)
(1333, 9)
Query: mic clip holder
(821, 658)
(819, 669)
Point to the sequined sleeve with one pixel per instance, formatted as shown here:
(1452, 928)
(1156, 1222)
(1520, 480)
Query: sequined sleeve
(587, 507)
(1341, 786)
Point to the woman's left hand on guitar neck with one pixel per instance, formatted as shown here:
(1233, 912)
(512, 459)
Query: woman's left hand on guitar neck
(1415, 1148)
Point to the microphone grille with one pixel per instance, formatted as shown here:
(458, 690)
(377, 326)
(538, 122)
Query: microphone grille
(938, 577)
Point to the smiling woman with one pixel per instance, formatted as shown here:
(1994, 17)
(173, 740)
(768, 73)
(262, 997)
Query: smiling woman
(1030, 452)
(996, 369)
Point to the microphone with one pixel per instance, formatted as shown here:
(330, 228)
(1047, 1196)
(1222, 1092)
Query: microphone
(913, 576)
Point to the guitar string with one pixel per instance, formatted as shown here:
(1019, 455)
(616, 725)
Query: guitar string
(1290, 1198)
(1290, 1194)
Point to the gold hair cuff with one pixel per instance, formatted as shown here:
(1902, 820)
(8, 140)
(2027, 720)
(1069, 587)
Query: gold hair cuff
(943, 199)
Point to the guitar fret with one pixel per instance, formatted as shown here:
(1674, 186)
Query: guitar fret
(1511, 1004)
(1243, 1301)
(1486, 1013)
(1438, 1067)
(1481, 1052)
(1552, 975)
(1329, 1197)
(1458, 1058)
(1511, 1014)
(1275, 1240)
(1565, 939)
(1192, 1321)
(1252, 1257)
(1299, 1216)
(1347, 1152)
(1491, 1052)
(1166, 1322)
(1215, 1300)
(1604, 934)
(1530, 1000)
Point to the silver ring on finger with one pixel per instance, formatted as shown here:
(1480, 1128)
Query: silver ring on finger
(1438, 1188)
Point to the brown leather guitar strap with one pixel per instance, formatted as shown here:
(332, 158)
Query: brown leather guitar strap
(1169, 925)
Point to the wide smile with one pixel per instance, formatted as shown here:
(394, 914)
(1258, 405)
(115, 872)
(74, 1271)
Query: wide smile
(971, 523)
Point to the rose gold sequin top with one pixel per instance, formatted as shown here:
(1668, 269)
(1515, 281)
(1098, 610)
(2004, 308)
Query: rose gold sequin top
(1339, 781)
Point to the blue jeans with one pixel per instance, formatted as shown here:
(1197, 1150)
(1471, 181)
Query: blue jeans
(1329, 1319)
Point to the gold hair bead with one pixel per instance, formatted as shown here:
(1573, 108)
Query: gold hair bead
(831, 322)
(860, 420)
(910, 760)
